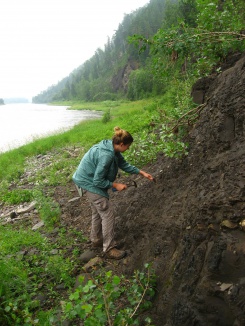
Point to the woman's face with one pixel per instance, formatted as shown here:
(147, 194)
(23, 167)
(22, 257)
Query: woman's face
(123, 148)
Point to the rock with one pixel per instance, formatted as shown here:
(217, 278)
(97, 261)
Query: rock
(92, 263)
(38, 225)
(54, 252)
(42, 298)
(61, 286)
(242, 225)
(26, 209)
(225, 286)
(228, 224)
(87, 255)
(73, 199)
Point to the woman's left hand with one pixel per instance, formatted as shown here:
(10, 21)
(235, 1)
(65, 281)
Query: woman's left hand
(147, 175)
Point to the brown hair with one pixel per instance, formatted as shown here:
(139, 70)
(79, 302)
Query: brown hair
(122, 136)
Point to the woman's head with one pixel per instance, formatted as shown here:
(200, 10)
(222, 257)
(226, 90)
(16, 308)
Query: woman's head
(121, 137)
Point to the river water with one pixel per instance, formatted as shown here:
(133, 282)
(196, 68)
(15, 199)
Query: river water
(23, 123)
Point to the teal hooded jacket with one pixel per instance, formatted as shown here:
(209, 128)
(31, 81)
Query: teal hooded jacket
(99, 167)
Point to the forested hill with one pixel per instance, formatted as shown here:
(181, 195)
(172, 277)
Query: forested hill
(153, 45)
(100, 77)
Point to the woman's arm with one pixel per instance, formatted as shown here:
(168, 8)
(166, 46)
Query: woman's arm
(146, 175)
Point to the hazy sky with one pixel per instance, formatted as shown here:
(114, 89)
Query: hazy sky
(42, 41)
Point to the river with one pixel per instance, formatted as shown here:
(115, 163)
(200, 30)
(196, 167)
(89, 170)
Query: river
(23, 123)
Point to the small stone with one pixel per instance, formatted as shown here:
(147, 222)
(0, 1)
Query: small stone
(86, 256)
(38, 225)
(54, 252)
(73, 199)
(92, 263)
(27, 209)
(213, 227)
(242, 225)
(228, 224)
(225, 286)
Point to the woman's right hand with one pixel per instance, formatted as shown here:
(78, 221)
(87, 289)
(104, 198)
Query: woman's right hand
(119, 186)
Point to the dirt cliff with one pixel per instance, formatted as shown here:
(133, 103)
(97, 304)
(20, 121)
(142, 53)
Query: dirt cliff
(188, 223)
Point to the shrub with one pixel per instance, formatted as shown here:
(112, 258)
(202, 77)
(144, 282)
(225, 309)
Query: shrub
(112, 300)
(107, 116)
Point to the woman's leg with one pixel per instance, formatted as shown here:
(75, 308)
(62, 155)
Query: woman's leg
(102, 215)
(96, 225)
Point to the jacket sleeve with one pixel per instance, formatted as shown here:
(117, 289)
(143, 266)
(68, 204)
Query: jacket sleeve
(125, 166)
(101, 172)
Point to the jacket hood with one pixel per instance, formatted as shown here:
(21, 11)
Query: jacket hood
(106, 145)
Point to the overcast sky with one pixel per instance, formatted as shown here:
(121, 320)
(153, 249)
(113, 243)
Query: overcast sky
(42, 41)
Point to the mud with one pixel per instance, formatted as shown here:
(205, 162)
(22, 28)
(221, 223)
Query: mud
(187, 224)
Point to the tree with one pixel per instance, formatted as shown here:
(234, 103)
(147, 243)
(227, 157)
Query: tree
(218, 31)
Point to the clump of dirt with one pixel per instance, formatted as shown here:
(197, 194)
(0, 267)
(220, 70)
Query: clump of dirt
(189, 224)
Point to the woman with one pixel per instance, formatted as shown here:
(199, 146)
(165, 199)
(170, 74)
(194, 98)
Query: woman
(96, 174)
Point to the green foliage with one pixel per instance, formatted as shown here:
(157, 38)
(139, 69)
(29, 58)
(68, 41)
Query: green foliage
(148, 144)
(15, 196)
(140, 84)
(188, 12)
(161, 135)
(217, 31)
(29, 265)
(48, 209)
(111, 299)
(11, 165)
(14, 290)
(145, 148)
(107, 116)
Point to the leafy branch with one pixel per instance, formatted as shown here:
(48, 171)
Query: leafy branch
(110, 299)
(181, 40)
(145, 287)
(193, 112)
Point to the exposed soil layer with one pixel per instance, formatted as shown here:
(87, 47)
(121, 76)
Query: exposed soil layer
(187, 224)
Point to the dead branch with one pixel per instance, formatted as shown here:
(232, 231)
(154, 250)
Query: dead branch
(196, 110)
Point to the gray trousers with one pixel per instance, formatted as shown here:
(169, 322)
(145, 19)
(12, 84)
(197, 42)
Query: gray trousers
(103, 220)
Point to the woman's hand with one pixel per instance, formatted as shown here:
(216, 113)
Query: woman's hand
(119, 186)
(147, 175)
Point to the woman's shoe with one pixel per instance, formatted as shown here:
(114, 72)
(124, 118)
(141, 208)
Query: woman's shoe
(115, 254)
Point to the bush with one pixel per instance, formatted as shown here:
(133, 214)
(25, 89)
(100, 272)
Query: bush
(112, 300)
(107, 116)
